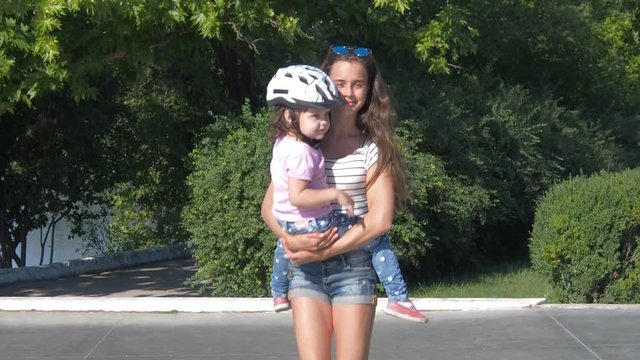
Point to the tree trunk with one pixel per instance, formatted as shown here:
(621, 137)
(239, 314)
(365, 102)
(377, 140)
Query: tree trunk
(43, 242)
(53, 238)
(13, 232)
(22, 241)
(239, 74)
(5, 241)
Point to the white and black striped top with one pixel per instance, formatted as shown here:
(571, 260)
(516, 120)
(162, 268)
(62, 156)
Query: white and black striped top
(350, 173)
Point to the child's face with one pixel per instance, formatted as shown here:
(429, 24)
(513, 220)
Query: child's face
(314, 123)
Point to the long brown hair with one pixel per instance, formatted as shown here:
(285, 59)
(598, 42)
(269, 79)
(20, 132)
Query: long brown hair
(376, 119)
(279, 126)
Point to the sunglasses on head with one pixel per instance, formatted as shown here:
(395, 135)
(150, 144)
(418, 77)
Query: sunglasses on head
(344, 50)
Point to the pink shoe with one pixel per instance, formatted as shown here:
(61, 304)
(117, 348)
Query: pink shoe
(408, 313)
(281, 304)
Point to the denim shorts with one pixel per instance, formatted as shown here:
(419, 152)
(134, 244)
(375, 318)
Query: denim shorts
(343, 279)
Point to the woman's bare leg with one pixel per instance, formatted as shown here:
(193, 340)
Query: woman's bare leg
(313, 325)
(353, 325)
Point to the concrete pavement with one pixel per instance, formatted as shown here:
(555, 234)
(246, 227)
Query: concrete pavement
(524, 334)
(146, 312)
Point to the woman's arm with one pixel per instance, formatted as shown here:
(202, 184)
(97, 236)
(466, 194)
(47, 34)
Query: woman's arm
(267, 214)
(310, 241)
(380, 200)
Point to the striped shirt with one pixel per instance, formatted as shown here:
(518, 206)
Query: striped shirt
(350, 174)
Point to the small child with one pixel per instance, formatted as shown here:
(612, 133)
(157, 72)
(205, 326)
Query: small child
(303, 96)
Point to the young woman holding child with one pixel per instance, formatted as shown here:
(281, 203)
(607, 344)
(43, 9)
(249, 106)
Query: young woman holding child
(332, 282)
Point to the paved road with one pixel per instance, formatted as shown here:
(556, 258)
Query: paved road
(526, 334)
(520, 333)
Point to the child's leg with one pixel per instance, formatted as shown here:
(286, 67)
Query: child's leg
(279, 275)
(387, 268)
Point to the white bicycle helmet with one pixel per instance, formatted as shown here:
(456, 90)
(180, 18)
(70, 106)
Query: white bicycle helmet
(303, 86)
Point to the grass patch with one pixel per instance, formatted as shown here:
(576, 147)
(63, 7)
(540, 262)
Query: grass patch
(513, 280)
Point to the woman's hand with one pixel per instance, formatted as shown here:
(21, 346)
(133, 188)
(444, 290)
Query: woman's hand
(309, 242)
(307, 256)
(311, 247)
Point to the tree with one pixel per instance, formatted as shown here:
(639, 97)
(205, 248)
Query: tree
(56, 162)
(507, 97)
(64, 63)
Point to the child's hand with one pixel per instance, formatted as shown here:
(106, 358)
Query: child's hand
(345, 201)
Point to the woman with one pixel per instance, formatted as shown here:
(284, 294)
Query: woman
(332, 284)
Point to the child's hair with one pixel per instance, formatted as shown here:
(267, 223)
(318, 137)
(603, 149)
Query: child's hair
(376, 119)
(279, 126)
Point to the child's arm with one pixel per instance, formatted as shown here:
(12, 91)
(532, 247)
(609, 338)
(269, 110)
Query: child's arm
(303, 197)
(308, 241)
(378, 220)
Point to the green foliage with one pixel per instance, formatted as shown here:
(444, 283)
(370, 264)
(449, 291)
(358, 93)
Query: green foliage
(144, 216)
(445, 40)
(585, 238)
(583, 51)
(511, 144)
(57, 162)
(502, 99)
(436, 230)
(514, 279)
(145, 209)
(617, 31)
(399, 5)
(233, 248)
(425, 176)
(231, 245)
(45, 45)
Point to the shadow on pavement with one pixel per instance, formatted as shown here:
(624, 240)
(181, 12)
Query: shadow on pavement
(162, 279)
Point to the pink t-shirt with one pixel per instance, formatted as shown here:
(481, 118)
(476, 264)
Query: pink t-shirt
(296, 159)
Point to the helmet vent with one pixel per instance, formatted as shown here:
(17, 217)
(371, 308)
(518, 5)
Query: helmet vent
(322, 92)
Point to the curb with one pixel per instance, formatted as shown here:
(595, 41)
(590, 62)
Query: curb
(230, 305)
(593, 306)
(94, 264)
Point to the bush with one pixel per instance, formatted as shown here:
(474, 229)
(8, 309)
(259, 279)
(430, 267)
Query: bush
(585, 237)
(231, 245)
(435, 233)
(145, 205)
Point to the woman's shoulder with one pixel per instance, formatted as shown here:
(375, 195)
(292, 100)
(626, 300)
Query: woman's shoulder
(368, 145)
(368, 142)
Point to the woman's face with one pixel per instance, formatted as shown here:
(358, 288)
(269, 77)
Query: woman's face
(351, 79)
